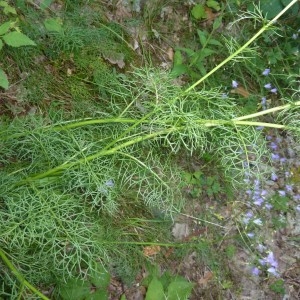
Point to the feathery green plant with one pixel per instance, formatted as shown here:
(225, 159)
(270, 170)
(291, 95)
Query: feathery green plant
(64, 182)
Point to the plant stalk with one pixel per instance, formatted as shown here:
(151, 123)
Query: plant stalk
(19, 276)
(229, 58)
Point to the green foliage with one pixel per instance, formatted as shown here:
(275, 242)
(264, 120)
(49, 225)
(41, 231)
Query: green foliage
(167, 286)
(17, 39)
(53, 25)
(198, 12)
(3, 80)
(199, 183)
(278, 287)
(281, 204)
(81, 289)
(99, 150)
(271, 8)
(7, 9)
(11, 36)
(230, 251)
(195, 63)
(45, 4)
(213, 4)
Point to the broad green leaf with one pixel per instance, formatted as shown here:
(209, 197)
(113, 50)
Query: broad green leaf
(269, 8)
(99, 277)
(188, 51)
(198, 174)
(3, 3)
(201, 68)
(213, 4)
(198, 12)
(178, 59)
(3, 80)
(217, 23)
(179, 289)
(155, 290)
(53, 25)
(1, 44)
(5, 27)
(45, 4)
(98, 295)
(206, 52)
(123, 297)
(294, 10)
(9, 9)
(179, 70)
(214, 42)
(17, 39)
(202, 36)
(75, 289)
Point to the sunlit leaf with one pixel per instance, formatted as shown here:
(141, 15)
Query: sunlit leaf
(155, 290)
(213, 4)
(198, 12)
(179, 289)
(3, 79)
(53, 25)
(99, 277)
(75, 289)
(5, 27)
(17, 39)
(45, 4)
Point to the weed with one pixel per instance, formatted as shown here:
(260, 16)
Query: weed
(76, 185)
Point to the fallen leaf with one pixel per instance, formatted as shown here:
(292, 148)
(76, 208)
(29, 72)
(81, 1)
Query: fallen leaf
(206, 278)
(241, 91)
(210, 15)
(169, 252)
(170, 53)
(151, 250)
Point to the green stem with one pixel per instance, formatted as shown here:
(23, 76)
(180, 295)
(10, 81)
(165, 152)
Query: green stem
(92, 122)
(267, 111)
(212, 123)
(103, 152)
(20, 277)
(147, 243)
(263, 29)
(132, 121)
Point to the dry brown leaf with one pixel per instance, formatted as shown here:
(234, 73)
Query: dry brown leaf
(170, 53)
(206, 278)
(169, 252)
(241, 91)
(151, 250)
(210, 15)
